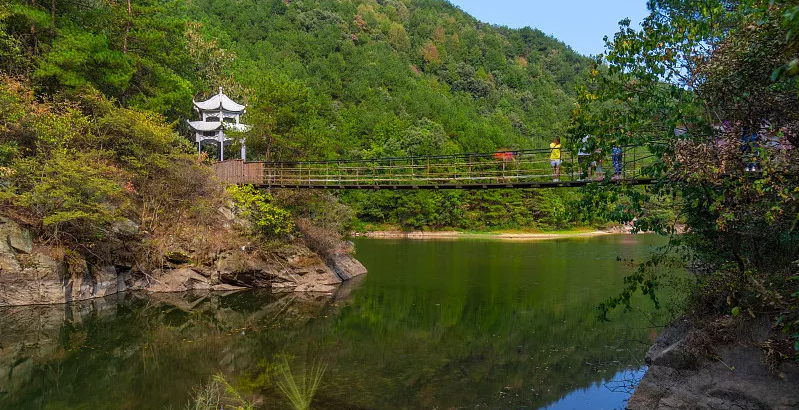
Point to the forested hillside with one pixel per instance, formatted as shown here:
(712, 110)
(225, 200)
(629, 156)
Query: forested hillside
(330, 79)
(321, 78)
(334, 78)
(368, 78)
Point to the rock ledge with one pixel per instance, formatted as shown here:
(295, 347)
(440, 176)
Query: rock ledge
(739, 379)
(31, 275)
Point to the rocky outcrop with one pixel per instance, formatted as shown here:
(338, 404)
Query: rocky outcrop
(32, 275)
(40, 279)
(738, 377)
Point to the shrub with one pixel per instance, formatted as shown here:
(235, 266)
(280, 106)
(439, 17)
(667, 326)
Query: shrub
(322, 208)
(218, 394)
(74, 195)
(255, 206)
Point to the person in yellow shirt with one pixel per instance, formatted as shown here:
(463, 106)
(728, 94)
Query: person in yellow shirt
(554, 158)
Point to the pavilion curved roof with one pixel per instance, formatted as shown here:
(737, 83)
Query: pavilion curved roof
(216, 125)
(219, 102)
(205, 126)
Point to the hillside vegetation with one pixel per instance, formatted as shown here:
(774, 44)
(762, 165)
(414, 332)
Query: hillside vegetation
(322, 79)
(393, 78)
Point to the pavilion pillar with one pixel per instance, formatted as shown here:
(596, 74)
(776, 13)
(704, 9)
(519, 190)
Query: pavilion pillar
(243, 151)
(222, 149)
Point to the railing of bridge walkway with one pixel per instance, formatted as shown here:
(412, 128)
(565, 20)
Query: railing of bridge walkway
(505, 168)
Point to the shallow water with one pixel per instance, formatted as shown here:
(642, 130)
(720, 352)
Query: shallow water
(435, 324)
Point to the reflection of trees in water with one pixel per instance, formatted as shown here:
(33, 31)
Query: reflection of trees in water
(144, 352)
(463, 353)
(148, 351)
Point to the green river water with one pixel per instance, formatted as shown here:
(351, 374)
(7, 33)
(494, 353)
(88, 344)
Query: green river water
(467, 324)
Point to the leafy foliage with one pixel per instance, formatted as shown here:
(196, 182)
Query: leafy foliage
(137, 55)
(69, 191)
(74, 170)
(472, 210)
(268, 219)
(218, 394)
(702, 86)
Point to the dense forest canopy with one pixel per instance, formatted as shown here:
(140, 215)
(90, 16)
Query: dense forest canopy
(323, 78)
(412, 77)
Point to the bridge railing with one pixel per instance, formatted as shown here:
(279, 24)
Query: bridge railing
(473, 169)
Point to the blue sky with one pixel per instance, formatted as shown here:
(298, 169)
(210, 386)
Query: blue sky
(579, 23)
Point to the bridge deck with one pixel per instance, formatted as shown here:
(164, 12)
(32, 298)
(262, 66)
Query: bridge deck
(498, 170)
(549, 184)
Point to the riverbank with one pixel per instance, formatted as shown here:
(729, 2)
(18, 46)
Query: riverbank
(725, 364)
(510, 236)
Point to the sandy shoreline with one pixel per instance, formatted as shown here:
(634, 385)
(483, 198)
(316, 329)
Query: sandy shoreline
(466, 235)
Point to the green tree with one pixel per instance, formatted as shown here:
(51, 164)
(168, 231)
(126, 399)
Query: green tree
(693, 86)
(284, 121)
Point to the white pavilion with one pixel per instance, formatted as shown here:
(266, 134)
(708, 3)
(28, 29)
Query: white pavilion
(218, 114)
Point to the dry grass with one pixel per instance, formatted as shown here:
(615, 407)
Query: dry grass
(324, 242)
(180, 213)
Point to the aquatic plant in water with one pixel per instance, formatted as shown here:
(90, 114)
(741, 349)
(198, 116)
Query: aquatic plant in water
(218, 394)
(300, 392)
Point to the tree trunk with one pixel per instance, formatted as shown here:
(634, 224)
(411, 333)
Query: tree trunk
(127, 30)
(52, 17)
(33, 42)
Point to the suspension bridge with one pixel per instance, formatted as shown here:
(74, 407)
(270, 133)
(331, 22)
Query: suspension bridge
(495, 170)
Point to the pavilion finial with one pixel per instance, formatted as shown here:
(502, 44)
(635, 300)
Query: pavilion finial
(220, 90)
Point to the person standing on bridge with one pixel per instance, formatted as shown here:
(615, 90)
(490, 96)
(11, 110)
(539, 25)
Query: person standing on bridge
(616, 156)
(554, 158)
(583, 159)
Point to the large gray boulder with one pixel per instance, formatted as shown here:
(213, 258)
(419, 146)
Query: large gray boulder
(345, 266)
(294, 269)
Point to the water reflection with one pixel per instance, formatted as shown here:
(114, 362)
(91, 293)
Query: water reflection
(460, 325)
(605, 395)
